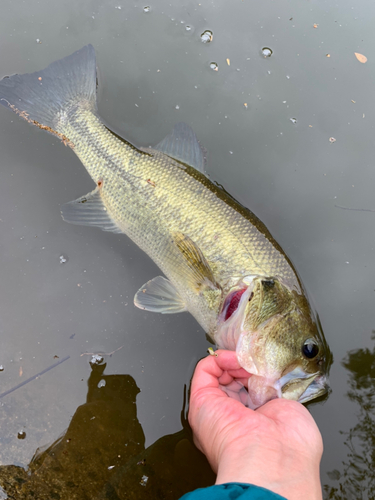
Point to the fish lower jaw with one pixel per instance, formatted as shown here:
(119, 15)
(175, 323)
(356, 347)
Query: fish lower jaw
(306, 388)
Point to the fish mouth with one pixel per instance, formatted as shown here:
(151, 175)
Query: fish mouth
(302, 387)
(318, 387)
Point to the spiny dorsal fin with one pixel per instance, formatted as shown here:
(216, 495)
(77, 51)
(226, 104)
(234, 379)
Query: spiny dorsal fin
(182, 144)
(89, 210)
(159, 295)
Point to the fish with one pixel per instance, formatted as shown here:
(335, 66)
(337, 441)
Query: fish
(219, 261)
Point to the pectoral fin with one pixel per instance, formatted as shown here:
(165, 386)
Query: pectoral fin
(197, 270)
(159, 295)
(89, 210)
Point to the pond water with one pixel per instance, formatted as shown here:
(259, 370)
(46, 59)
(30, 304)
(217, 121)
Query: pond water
(276, 95)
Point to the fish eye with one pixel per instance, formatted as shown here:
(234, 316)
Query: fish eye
(268, 283)
(310, 349)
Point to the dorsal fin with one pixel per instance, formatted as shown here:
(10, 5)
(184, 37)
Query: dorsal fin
(183, 145)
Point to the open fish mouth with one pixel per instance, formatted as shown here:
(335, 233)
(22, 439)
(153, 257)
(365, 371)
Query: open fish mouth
(303, 387)
(318, 387)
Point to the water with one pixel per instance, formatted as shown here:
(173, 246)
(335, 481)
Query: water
(294, 178)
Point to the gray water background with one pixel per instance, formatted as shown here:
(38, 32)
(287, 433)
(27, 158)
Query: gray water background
(154, 72)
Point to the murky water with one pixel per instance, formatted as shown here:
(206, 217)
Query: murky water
(289, 133)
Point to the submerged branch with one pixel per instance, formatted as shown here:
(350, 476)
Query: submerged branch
(33, 377)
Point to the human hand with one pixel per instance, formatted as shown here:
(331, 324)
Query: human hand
(278, 446)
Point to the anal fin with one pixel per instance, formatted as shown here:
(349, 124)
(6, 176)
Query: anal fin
(159, 295)
(89, 210)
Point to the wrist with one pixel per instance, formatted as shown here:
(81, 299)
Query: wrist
(291, 474)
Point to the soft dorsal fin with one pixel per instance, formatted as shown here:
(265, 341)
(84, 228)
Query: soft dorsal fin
(183, 145)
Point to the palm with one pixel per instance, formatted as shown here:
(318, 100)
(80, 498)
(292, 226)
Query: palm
(230, 425)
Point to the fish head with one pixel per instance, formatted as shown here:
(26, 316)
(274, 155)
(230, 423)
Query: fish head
(276, 339)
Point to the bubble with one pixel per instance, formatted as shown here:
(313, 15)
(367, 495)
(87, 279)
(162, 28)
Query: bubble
(21, 435)
(1, 368)
(207, 36)
(188, 28)
(214, 66)
(96, 359)
(147, 8)
(293, 120)
(144, 480)
(63, 259)
(38, 40)
(177, 106)
(266, 52)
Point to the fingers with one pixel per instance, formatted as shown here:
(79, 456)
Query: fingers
(227, 360)
(222, 368)
(236, 390)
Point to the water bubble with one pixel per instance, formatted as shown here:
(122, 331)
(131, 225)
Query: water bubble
(266, 52)
(38, 40)
(177, 106)
(102, 383)
(207, 36)
(144, 480)
(118, 7)
(63, 259)
(96, 359)
(1, 368)
(214, 66)
(21, 435)
(293, 120)
(188, 28)
(147, 8)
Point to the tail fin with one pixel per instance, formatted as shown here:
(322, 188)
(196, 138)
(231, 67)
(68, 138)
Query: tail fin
(45, 97)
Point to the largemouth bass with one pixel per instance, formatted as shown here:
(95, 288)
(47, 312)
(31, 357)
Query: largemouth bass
(219, 260)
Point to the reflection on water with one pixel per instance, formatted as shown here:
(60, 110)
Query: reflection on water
(102, 453)
(357, 479)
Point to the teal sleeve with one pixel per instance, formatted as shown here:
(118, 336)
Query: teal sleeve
(232, 491)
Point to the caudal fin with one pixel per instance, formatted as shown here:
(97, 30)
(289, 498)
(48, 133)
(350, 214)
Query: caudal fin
(45, 98)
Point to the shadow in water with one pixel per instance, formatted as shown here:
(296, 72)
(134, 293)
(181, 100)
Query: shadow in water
(357, 479)
(102, 454)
